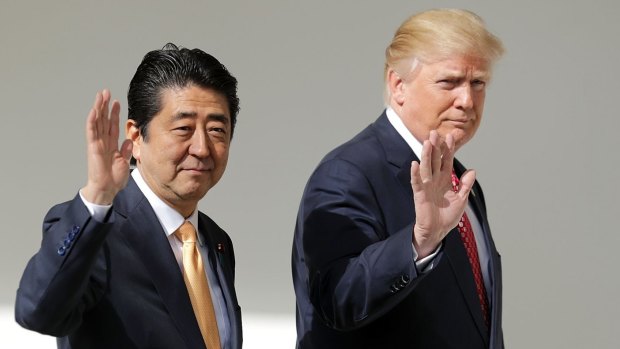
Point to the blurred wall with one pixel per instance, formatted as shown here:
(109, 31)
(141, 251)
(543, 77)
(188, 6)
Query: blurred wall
(310, 77)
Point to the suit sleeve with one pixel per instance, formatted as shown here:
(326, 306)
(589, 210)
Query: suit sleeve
(65, 277)
(357, 269)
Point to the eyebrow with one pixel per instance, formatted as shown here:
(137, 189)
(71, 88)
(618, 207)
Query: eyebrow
(192, 115)
(219, 117)
(482, 76)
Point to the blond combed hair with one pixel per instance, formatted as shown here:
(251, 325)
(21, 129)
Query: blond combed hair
(435, 35)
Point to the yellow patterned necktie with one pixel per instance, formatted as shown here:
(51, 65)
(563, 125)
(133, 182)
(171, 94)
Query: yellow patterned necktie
(198, 286)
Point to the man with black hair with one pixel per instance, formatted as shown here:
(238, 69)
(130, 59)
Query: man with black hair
(130, 262)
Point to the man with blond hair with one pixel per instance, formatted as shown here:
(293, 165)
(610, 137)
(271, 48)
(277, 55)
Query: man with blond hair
(392, 245)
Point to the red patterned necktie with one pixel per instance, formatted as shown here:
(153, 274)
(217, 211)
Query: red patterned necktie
(467, 235)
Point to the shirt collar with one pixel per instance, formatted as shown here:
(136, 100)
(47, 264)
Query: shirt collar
(402, 130)
(169, 218)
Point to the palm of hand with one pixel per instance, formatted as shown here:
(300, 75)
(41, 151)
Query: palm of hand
(438, 208)
(108, 165)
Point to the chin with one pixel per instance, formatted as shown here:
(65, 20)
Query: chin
(461, 141)
(196, 190)
(193, 196)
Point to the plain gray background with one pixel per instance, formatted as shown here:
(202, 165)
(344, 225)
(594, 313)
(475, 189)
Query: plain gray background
(310, 77)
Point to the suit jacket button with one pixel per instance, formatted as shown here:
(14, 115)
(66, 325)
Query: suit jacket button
(66, 243)
(75, 229)
(61, 251)
(405, 278)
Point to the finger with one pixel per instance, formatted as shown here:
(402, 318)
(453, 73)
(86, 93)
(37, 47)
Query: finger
(96, 117)
(105, 119)
(467, 182)
(448, 154)
(97, 101)
(91, 126)
(126, 149)
(436, 151)
(426, 172)
(416, 180)
(433, 137)
(114, 120)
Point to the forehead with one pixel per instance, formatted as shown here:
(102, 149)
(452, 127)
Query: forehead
(193, 100)
(458, 66)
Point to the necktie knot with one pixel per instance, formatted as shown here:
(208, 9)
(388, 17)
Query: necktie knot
(186, 233)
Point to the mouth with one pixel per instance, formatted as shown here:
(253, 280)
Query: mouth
(197, 170)
(459, 122)
(197, 167)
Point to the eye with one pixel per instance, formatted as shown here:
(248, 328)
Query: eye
(182, 130)
(218, 133)
(217, 130)
(478, 84)
(447, 84)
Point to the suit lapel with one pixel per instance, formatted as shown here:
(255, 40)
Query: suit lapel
(494, 268)
(457, 258)
(397, 153)
(146, 237)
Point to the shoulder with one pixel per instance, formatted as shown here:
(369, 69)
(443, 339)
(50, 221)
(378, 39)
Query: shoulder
(357, 147)
(210, 223)
(361, 153)
(213, 229)
(376, 145)
(129, 199)
(350, 170)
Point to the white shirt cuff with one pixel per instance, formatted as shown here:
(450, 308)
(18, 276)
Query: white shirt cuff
(425, 264)
(98, 212)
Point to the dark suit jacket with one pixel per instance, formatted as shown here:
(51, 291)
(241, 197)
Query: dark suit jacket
(355, 280)
(117, 284)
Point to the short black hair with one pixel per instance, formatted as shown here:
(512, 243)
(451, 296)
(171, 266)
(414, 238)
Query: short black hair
(174, 67)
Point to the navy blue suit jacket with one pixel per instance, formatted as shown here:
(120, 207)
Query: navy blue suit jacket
(355, 280)
(117, 284)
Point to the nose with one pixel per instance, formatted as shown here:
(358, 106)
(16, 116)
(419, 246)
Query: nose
(200, 146)
(464, 98)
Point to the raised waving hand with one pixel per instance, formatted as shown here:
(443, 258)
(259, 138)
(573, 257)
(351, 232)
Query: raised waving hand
(108, 164)
(438, 208)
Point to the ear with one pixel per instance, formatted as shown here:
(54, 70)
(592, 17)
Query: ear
(397, 87)
(133, 133)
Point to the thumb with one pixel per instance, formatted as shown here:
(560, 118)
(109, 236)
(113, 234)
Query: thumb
(126, 149)
(466, 183)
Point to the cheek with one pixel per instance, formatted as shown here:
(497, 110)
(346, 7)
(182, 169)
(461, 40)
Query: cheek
(480, 104)
(479, 110)
(222, 158)
(437, 105)
(173, 152)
